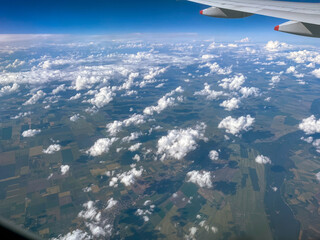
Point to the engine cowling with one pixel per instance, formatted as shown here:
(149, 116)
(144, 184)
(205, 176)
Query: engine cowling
(299, 28)
(224, 13)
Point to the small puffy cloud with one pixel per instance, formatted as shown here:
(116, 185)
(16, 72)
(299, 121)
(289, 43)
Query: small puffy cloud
(15, 64)
(236, 125)
(178, 143)
(231, 104)
(91, 215)
(308, 139)
(61, 88)
(64, 169)
(74, 235)
(318, 176)
(111, 203)
(35, 97)
(250, 50)
(274, 80)
(96, 230)
(311, 65)
(21, 115)
(244, 40)
(192, 233)
(213, 155)
(310, 125)
(316, 73)
(262, 159)
(214, 229)
(233, 83)
(91, 212)
(129, 178)
(208, 56)
(211, 94)
(273, 46)
(9, 89)
(116, 126)
(129, 82)
(136, 158)
(163, 103)
(135, 119)
(75, 117)
(304, 56)
(133, 136)
(247, 92)
(215, 68)
(316, 144)
(75, 97)
(201, 178)
(83, 81)
(159, 85)
(153, 72)
(102, 98)
(135, 147)
(52, 149)
(291, 69)
(232, 45)
(212, 45)
(31, 132)
(101, 146)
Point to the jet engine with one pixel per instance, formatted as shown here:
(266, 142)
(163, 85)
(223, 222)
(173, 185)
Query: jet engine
(224, 13)
(299, 28)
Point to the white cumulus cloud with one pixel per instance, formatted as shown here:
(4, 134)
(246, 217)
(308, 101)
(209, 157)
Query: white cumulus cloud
(75, 97)
(111, 203)
(5, 90)
(310, 125)
(215, 68)
(318, 176)
(102, 98)
(52, 149)
(35, 97)
(273, 46)
(60, 88)
(201, 178)
(134, 147)
(247, 92)
(233, 83)
(31, 132)
(164, 102)
(211, 94)
(179, 142)
(236, 125)
(75, 117)
(231, 104)
(213, 155)
(262, 159)
(64, 169)
(101, 146)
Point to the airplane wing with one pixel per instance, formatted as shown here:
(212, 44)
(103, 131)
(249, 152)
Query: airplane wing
(305, 17)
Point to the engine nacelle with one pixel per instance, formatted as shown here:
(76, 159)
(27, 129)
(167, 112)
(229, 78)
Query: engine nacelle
(299, 28)
(224, 13)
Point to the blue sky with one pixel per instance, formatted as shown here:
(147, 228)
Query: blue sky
(127, 16)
